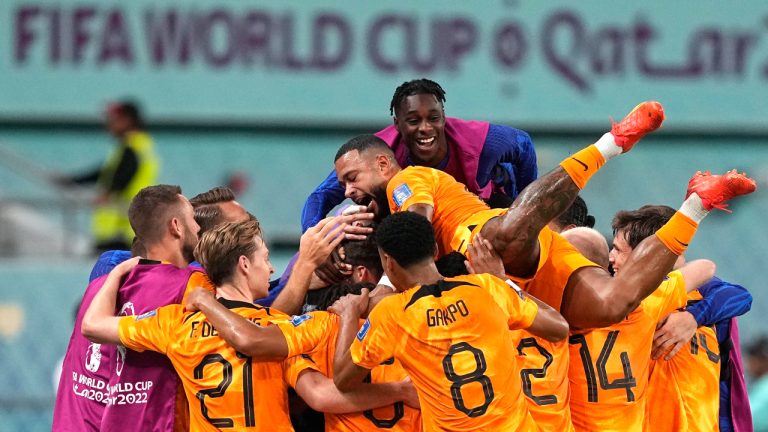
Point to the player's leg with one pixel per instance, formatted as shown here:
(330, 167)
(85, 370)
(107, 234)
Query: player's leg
(514, 235)
(594, 299)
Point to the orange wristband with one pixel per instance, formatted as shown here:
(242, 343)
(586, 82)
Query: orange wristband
(582, 165)
(677, 233)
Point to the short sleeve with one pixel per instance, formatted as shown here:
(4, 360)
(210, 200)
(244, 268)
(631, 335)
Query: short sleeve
(294, 366)
(520, 310)
(304, 333)
(668, 297)
(197, 279)
(410, 186)
(376, 339)
(149, 331)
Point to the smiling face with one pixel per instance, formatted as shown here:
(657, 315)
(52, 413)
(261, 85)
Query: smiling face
(620, 252)
(364, 177)
(420, 119)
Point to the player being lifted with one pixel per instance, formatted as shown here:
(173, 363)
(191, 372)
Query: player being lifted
(586, 294)
(541, 261)
(225, 388)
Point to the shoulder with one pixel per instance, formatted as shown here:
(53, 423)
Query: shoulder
(499, 134)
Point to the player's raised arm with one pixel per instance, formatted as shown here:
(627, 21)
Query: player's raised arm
(100, 324)
(346, 374)
(261, 343)
(593, 298)
(316, 245)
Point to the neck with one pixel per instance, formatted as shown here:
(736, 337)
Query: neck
(234, 291)
(163, 252)
(420, 274)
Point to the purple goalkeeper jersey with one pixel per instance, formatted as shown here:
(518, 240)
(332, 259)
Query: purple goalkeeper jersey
(85, 374)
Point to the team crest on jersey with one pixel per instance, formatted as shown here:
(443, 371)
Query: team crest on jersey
(146, 315)
(401, 193)
(296, 320)
(363, 330)
(93, 357)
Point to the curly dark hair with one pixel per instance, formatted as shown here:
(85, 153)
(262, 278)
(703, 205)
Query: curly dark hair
(407, 237)
(414, 87)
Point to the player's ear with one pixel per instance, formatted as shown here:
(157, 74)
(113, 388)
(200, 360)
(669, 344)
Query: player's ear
(437, 251)
(175, 228)
(383, 162)
(243, 263)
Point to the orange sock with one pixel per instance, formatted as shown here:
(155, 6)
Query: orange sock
(677, 233)
(583, 165)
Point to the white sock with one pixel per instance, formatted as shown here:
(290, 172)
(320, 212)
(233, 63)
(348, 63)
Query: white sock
(608, 147)
(693, 207)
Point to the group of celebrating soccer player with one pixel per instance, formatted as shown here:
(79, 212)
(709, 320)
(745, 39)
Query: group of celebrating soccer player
(451, 296)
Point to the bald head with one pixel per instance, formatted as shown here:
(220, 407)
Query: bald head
(590, 243)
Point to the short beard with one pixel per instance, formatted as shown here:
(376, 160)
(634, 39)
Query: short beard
(382, 204)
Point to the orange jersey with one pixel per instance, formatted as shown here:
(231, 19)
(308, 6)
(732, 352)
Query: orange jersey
(544, 365)
(453, 205)
(609, 367)
(544, 376)
(323, 327)
(683, 393)
(452, 339)
(225, 389)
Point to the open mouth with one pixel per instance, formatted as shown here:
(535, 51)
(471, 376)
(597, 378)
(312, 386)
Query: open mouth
(425, 143)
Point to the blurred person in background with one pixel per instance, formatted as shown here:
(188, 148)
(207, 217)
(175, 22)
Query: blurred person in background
(130, 167)
(757, 364)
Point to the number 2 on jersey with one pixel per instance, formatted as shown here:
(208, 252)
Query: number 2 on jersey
(526, 374)
(226, 380)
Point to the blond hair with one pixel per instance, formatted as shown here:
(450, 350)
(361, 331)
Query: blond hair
(220, 248)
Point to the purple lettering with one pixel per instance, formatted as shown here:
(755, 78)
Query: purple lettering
(326, 25)
(743, 43)
(461, 37)
(510, 45)
(428, 62)
(607, 51)
(169, 36)
(254, 39)
(222, 20)
(54, 37)
(81, 33)
(565, 64)
(374, 42)
(707, 40)
(288, 48)
(115, 41)
(24, 36)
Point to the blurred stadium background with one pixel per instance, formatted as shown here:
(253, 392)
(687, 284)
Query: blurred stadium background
(266, 93)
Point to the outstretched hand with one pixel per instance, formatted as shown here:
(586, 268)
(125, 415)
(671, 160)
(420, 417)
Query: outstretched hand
(318, 242)
(673, 333)
(196, 297)
(483, 258)
(126, 266)
(353, 305)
